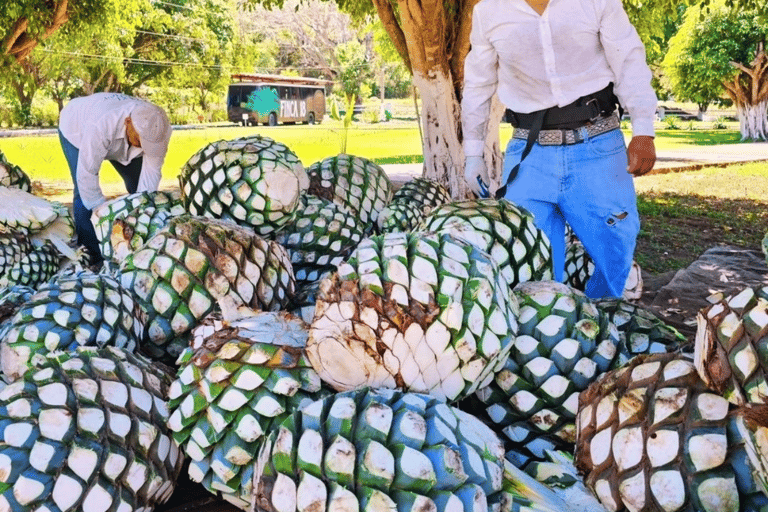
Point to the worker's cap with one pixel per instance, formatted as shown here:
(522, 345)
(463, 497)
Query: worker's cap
(154, 129)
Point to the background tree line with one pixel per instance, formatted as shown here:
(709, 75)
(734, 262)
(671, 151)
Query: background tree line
(181, 54)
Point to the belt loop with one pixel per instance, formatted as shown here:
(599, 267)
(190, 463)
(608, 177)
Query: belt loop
(584, 133)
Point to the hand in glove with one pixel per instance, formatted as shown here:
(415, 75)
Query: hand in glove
(476, 175)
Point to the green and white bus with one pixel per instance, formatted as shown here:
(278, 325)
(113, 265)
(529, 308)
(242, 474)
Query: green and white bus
(273, 99)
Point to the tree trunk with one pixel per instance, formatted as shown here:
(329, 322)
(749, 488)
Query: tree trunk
(749, 92)
(443, 151)
(753, 121)
(441, 125)
(382, 95)
(58, 93)
(432, 37)
(702, 110)
(203, 97)
(494, 152)
(25, 86)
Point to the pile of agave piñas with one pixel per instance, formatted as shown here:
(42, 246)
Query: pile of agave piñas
(313, 340)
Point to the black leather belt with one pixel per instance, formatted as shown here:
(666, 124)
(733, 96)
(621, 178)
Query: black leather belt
(574, 115)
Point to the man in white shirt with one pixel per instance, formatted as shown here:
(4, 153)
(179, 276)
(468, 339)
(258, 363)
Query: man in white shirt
(559, 66)
(131, 133)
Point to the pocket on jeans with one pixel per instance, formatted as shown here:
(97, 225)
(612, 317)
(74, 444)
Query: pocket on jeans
(515, 146)
(607, 144)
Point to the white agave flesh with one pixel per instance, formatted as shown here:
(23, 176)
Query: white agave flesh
(55, 423)
(284, 494)
(27, 490)
(83, 462)
(708, 450)
(604, 492)
(669, 489)
(632, 491)
(719, 495)
(19, 208)
(340, 457)
(662, 447)
(627, 446)
(668, 401)
(342, 500)
(66, 491)
(600, 446)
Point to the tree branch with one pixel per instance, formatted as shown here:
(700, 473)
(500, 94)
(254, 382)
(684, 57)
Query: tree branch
(391, 25)
(462, 46)
(20, 44)
(19, 27)
(415, 41)
(432, 17)
(734, 90)
(741, 67)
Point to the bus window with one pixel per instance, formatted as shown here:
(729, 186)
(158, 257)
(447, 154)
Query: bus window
(245, 93)
(233, 98)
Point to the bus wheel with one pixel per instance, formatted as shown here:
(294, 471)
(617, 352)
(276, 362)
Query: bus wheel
(311, 119)
(272, 119)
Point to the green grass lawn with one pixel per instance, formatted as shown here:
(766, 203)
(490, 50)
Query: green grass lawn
(41, 156)
(683, 214)
(384, 143)
(746, 181)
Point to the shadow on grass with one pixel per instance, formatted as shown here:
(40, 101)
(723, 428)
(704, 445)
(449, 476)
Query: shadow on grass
(677, 228)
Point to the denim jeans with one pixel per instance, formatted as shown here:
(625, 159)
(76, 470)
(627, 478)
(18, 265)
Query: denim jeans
(588, 186)
(86, 234)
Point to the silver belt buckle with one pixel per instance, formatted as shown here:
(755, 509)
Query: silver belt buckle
(597, 105)
(550, 137)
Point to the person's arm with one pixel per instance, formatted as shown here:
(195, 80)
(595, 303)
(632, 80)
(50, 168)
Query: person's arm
(480, 83)
(626, 56)
(92, 152)
(149, 180)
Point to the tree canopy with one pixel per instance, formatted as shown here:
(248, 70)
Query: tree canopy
(700, 56)
(24, 24)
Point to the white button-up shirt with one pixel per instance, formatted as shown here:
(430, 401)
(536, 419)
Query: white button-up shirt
(575, 48)
(95, 125)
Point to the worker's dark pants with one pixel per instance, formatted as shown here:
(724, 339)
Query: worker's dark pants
(86, 234)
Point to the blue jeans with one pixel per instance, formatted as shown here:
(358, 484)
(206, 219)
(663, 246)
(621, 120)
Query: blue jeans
(86, 234)
(588, 186)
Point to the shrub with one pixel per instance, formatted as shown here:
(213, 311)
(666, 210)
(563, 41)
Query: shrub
(7, 116)
(719, 123)
(371, 116)
(219, 115)
(672, 122)
(44, 113)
